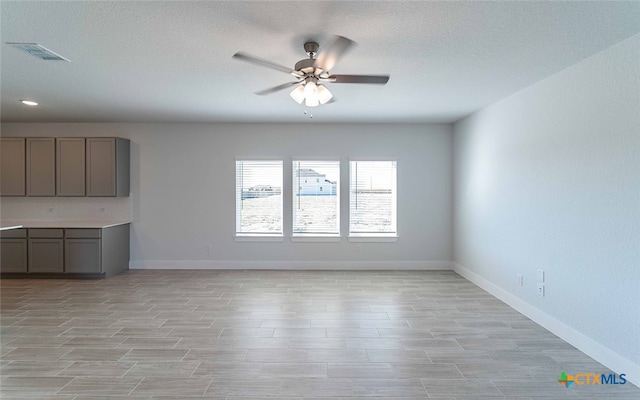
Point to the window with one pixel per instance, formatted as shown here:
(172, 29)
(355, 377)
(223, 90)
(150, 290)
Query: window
(259, 198)
(372, 198)
(316, 202)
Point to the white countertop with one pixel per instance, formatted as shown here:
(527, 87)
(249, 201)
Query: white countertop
(4, 225)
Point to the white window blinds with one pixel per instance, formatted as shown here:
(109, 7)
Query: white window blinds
(316, 199)
(259, 197)
(372, 198)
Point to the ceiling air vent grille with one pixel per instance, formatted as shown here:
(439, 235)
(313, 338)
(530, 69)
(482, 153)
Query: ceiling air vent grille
(38, 51)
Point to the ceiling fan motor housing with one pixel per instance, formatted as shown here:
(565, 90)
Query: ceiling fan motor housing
(305, 66)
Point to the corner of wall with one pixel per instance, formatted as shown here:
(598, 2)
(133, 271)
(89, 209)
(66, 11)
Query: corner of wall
(590, 347)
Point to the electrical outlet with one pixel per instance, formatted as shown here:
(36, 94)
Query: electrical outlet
(207, 248)
(540, 289)
(520, 279)
(357, 248)
(541, 275)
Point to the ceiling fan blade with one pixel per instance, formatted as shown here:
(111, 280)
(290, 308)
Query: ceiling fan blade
(375, 79)
(332, 52)
(276, 88)
(264, 63)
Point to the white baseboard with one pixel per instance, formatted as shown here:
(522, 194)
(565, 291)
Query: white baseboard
(291, 265)
(590, 347)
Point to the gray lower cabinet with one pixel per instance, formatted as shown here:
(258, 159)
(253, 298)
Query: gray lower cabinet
(46, 251)
(12, 167)
(103, 252)
(41, 167)
(82, 256)
(70, 252)
(83, 251)
(13, 251)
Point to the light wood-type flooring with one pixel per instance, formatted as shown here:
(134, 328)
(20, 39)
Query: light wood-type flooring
(279, 335)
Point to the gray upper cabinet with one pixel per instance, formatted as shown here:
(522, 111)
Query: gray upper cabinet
(41, 164)
(70, 166)
(107, 167)
(12, 167)
(97, 167)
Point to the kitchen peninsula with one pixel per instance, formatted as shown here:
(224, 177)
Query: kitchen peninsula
(55, 249)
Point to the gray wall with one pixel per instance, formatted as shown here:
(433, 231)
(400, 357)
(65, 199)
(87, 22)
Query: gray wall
(183, 198)
(550, 178)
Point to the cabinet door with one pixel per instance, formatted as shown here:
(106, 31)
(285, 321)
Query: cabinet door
(12, 167)
(41, 167)
(70, 166)
(101, 166)
(82, 255)
(46, 255)
(13, 255)
(123, 150)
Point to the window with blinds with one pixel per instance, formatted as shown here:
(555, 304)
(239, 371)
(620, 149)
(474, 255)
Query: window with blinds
(316, 199)
(259, 197)
(372, 198)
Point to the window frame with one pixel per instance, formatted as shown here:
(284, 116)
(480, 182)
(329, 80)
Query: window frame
(374, 236)
(316, 236)
(258, 236)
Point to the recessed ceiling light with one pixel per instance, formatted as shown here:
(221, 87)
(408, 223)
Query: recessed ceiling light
(29, 102)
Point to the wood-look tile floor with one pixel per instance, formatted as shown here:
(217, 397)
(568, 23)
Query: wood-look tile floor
(279, 335)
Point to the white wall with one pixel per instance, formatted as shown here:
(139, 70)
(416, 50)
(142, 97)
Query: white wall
(550, 178)
(183, 180)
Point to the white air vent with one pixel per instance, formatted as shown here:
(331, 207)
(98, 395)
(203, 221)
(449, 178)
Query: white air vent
(38, 51)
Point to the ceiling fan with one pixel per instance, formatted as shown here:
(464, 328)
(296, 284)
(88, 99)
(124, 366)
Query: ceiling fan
(312, 73)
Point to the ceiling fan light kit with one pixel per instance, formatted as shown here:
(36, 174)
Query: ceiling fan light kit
(311, 93)
(310, 73)
(298, 94)
(324, 95)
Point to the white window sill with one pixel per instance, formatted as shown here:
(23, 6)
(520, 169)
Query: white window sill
(316, 238)
(259, 238)
(373, 238)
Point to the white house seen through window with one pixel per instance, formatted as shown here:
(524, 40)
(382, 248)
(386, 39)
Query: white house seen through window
(259, 197)
(316, 198)
(372, 198)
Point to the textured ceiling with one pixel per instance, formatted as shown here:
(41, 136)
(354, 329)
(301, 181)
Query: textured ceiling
(171, 61)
